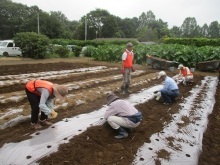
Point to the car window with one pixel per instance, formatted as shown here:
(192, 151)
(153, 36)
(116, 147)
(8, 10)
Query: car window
(3, 44)
(10, 44)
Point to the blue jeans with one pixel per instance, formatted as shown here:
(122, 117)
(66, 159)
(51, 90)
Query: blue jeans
(169, 96)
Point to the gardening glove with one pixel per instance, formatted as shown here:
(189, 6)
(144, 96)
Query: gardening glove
(53, 114)
(132, 69)
(123, 71)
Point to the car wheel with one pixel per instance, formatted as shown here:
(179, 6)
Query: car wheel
(5, 54)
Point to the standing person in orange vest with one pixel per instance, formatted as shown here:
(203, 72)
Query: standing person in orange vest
(185, 74)
(40, 94)
(127, 67)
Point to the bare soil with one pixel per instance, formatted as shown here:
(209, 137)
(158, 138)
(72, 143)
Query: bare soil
(101, 147)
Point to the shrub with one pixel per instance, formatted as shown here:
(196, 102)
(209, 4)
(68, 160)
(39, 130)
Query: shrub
(62, 51)
(77, 50)
(32, 45)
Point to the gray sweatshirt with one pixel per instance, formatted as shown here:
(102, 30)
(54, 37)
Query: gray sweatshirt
(46, 101)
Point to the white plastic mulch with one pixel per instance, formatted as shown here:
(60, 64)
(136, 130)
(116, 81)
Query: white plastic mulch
(188, 139)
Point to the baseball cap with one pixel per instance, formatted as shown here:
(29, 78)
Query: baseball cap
(162, 73)
(180, 66)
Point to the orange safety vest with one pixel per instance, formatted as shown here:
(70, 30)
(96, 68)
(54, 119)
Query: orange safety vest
(34, 84)
(184, 72)
(129, 60)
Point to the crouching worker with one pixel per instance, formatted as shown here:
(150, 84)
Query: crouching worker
(40, 94)
(170, 90)
(121, 115)
(185, 74)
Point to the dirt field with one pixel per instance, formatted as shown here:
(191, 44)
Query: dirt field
(90, 88)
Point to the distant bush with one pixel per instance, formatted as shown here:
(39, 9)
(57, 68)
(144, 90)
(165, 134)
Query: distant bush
(193, 41)
(62, 51)
(88, 51)
(32, 45)
(77, 50)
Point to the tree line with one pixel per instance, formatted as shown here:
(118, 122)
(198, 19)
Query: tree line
(99, 23)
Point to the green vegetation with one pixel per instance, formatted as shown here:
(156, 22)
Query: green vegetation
(187, 55)
(193, 41)
(16, 18)
(32, 45)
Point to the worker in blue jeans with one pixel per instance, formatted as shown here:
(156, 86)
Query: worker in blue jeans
(170, 90)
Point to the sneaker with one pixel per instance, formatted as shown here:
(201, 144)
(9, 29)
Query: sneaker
(36, 126)
(166, 103)
(45, 123)
(123, 92)
(122, 135)
(128, 91)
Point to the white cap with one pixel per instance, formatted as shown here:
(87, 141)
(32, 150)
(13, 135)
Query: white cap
(180, 66)
(162, 73)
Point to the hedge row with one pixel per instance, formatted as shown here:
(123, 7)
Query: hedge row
(193, 41)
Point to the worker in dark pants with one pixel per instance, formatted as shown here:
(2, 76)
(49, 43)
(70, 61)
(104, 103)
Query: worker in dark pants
(170, 90)
(40, 94)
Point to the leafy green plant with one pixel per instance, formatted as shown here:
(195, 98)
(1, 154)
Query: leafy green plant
(32, 45)
(62, 51)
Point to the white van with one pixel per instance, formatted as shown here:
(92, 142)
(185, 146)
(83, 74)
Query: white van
(8, 48)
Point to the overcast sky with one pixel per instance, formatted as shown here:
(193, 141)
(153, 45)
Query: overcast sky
(171, 11)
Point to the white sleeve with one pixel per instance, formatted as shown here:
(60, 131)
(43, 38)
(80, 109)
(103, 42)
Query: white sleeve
(124, 56)
(43, 99)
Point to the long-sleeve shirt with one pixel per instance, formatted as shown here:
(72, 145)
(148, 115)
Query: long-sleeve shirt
(120, 108)
(169, 84)
(46, 101)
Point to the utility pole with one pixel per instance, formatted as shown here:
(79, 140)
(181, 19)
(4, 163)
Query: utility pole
(85, 29)
(38, 24)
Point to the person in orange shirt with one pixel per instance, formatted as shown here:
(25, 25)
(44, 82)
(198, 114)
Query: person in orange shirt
(40, 94)
(185, 74)
(127, 67)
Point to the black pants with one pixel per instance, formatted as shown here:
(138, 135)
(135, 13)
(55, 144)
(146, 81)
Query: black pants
(34, 101)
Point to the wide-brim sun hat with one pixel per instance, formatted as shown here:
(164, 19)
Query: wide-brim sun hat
(111, 97)
(180, 66)
(60, 91)
(161, 73)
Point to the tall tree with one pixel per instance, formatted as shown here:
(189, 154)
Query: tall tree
(189, 27)
(214, 30)
(175, 31)
(204, 30)
(129, 27)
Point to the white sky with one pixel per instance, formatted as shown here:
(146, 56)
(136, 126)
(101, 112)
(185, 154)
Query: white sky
(172, 11)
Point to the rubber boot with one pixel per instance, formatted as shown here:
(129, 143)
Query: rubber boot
(126, 88)
(121, 133)
(122, 90)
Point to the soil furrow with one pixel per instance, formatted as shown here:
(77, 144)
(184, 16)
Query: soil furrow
(112, 151)
(94, 102)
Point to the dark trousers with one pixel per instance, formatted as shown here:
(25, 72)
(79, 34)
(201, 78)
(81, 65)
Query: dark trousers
(169, 96)
(34, 101)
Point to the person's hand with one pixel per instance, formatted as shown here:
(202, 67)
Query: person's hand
(53, 114)
(132, 69)
(123, 71)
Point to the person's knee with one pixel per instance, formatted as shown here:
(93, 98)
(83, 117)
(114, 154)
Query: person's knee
(111, 119)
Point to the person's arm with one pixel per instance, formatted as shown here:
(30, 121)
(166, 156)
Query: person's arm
(110, 112)
(43, 100)
(49, 103)
(124, 56)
